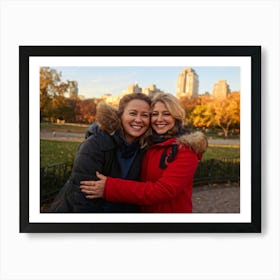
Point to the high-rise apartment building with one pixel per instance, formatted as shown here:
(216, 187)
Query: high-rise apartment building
(73, 89)
(221, 89)
(187, 84)
(152, 90)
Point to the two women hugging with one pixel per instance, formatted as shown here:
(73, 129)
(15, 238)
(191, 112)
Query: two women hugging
(138, 158)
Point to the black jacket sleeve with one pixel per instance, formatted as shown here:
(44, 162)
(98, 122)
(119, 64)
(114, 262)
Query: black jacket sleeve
(96, 153)
(89, 159)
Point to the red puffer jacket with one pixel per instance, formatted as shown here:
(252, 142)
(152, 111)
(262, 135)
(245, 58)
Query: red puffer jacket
(162, 190)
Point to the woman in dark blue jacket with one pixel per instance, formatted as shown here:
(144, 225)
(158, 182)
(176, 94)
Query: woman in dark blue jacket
(114, 146)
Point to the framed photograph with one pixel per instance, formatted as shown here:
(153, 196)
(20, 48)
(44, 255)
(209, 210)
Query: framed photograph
(219, 88)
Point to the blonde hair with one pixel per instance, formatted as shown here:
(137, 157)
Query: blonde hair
(175, 109)
(173, 106)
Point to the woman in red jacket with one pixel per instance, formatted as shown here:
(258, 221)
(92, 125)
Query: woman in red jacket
(167, 169)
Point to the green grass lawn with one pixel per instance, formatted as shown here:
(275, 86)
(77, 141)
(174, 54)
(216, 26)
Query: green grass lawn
(221, 152)
(53, 152)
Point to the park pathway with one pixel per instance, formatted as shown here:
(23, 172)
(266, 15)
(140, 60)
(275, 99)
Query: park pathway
(218, 198)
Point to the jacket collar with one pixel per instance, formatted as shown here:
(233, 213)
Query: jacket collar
(165, 143)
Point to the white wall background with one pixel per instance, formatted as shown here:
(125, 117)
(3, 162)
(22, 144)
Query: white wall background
(139, 256)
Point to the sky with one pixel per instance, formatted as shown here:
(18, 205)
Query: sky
(97, 81)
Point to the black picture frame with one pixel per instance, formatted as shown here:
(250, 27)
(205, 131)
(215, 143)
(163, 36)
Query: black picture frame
(252, 52)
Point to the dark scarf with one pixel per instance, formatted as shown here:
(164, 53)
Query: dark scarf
(126, 149)
(175, 132)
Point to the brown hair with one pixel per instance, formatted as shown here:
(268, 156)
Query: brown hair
(143, 140)
(132, 96)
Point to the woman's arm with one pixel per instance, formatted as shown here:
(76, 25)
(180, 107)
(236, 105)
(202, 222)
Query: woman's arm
(94, 189)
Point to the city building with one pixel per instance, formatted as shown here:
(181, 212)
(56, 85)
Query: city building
(152, 90)
(221, 89)
(111, 99)
(73, 89)
(187, 84)
(134, 88)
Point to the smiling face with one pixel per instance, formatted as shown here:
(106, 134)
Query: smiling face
(161, 120)
(135, 119)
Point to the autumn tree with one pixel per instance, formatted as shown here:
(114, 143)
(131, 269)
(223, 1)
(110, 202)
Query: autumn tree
(234, 99)
(189, 104)
(52, 91)
(196, 110)
(70, 109)
(202, 116)
(227, 112)
(86, 110)
(218, 112)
